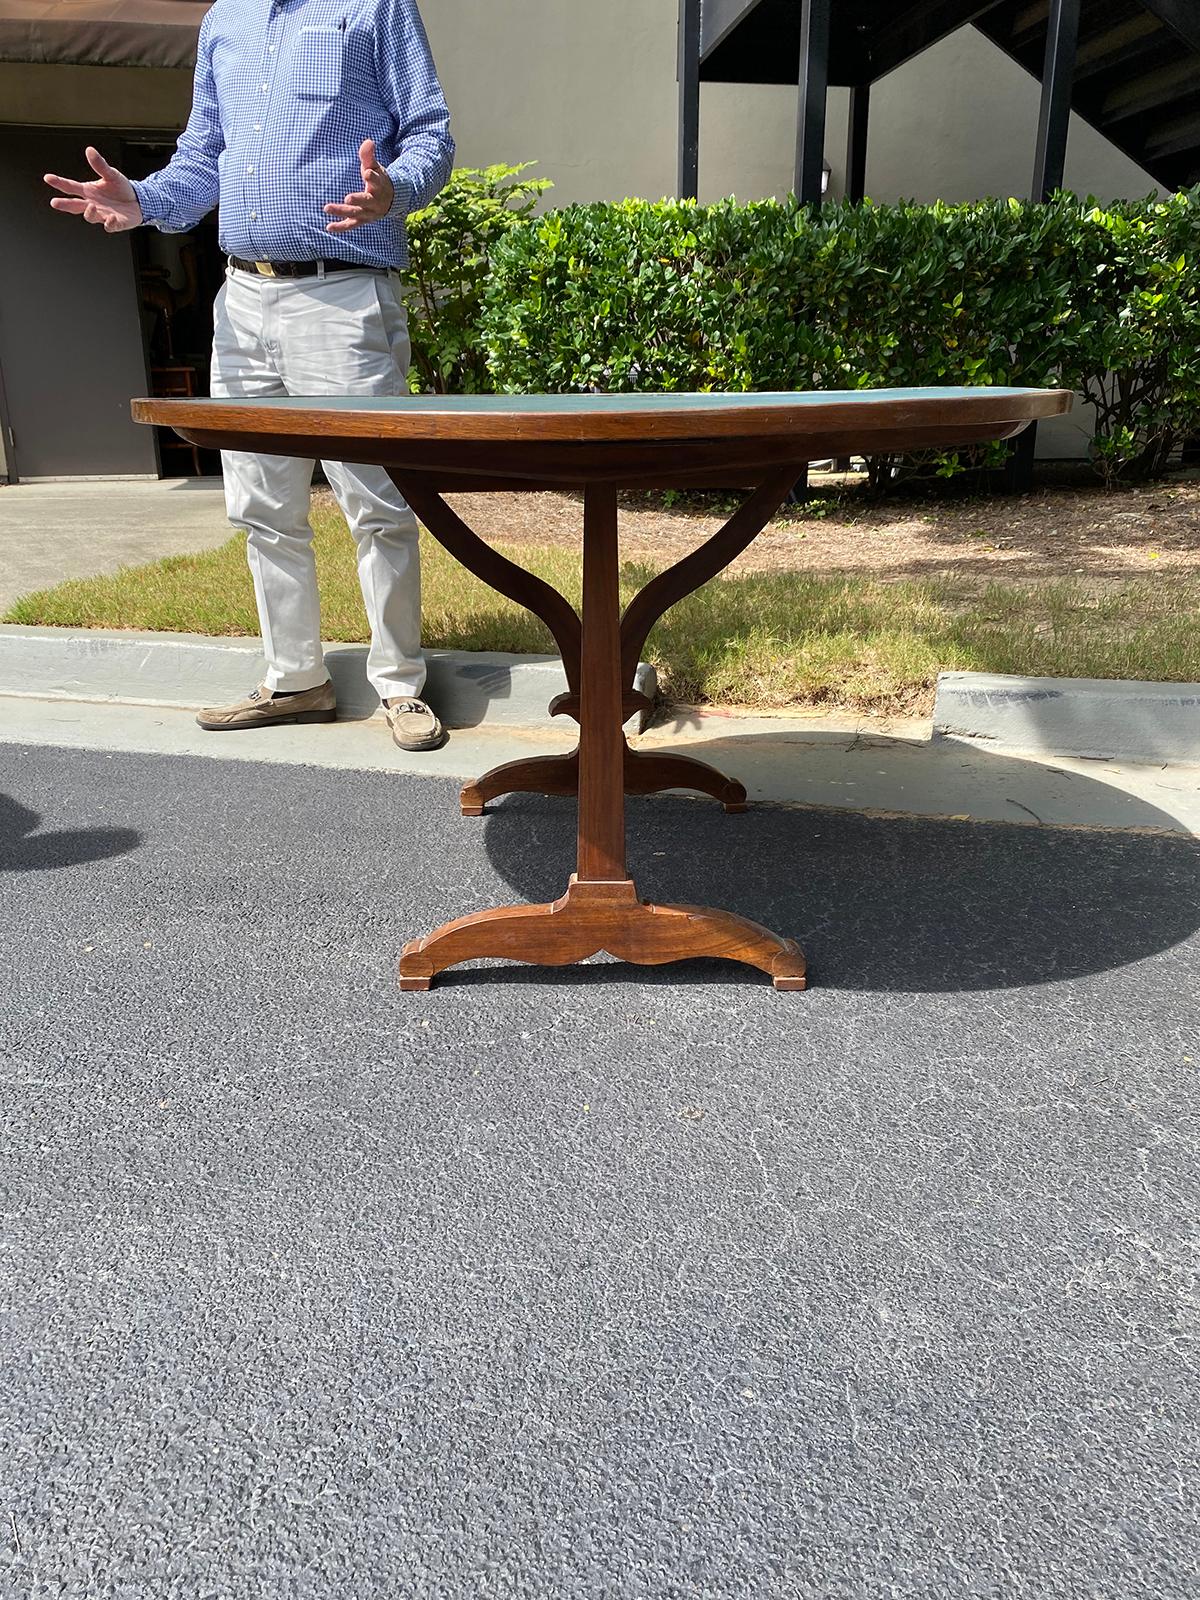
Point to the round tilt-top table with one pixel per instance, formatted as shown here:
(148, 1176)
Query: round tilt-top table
(436, 445)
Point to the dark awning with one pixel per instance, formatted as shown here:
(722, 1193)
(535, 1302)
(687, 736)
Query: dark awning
(101, 33)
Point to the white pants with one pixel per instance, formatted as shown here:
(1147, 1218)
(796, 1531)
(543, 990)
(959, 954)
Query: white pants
(343, 333)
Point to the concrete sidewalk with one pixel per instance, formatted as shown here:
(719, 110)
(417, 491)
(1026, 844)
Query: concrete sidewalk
(53, 531)
(891, 769)
(135, 692)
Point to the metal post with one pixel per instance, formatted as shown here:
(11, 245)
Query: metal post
(1018, 471)
(9, 448)
(1054, 119)
(856, 143)
(1049, 166)
(856, 173)
(689, 99)
(814, 86)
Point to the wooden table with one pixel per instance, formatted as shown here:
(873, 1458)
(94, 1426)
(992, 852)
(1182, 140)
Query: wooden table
(434, 445)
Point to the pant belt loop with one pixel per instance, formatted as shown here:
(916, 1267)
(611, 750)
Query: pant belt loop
(320, 271)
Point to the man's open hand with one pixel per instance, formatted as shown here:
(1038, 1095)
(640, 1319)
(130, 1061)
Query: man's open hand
(374, 200)
(108, 201)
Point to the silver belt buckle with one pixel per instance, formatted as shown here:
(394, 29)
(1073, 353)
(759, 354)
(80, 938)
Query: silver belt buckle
(265, 268)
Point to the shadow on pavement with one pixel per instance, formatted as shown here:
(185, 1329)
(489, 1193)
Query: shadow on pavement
(22, 849)
(878, 903)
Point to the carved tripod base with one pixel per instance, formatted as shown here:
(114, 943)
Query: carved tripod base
(602, 916)
(600, 647)
(645, 773)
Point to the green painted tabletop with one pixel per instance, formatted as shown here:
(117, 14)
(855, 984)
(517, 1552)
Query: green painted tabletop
(608, 404)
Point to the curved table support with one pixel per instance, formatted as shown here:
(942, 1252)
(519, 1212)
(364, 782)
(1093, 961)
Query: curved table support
(695, 570)
(646, 772)
(497, 571)
(633, 704)
(652, 771)
(534, 775)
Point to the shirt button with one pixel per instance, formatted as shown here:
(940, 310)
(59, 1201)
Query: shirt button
(270, 49)
(254, 216)
(258, 127)
(264, 88)
(249, 169)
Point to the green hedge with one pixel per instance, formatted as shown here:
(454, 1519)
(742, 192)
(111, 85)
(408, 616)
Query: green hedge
(673, 295)
(450, 248)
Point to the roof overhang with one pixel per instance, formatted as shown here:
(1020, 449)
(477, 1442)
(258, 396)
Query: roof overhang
(106, 33)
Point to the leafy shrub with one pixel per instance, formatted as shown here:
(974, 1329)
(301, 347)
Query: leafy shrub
(650, 296)
(772, 295)
(913, 295)
(1137, 327)
(450, 248)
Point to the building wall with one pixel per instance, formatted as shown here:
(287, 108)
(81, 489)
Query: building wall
(589, 92)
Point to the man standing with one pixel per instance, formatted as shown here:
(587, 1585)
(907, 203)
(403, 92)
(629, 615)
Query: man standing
(319, 125)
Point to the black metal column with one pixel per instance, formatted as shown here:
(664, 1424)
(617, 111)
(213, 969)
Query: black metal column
(689, 99)
(814, 87)
(856, 143)
(1049, 165)
(1054, 119)
(856, 170)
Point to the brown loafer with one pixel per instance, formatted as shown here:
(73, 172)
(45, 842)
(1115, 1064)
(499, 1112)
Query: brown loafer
(263, 709)
(414, 726)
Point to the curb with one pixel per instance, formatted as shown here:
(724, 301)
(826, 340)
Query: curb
(1113, 719)
(467, 688)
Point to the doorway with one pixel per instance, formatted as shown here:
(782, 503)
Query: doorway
(178, 278)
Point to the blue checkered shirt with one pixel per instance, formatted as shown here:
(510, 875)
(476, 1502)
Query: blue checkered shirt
(285, 92)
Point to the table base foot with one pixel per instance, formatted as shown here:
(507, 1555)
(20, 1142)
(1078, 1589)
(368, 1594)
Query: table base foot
(593, 917)
(415, 984)
(649, 772)
(534, 775)
(646, 772)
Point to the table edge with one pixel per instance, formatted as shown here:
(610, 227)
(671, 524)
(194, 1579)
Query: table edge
(983, 407)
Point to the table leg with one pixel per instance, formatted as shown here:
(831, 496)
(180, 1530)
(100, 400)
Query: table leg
(534, 775)
(601, 742)
(601, 909)
(591, 917)
(652, 771)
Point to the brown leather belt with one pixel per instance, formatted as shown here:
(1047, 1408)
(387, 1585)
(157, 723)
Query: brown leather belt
(301, 269)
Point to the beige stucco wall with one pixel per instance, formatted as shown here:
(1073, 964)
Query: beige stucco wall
(588, 90)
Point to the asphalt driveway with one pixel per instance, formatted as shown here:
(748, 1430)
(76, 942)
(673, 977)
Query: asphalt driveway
(595, 1283)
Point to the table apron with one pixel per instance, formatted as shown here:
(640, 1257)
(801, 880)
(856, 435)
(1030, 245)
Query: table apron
(525, 464)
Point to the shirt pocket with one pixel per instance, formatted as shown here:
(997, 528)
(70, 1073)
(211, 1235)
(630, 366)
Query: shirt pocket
(318, 64)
